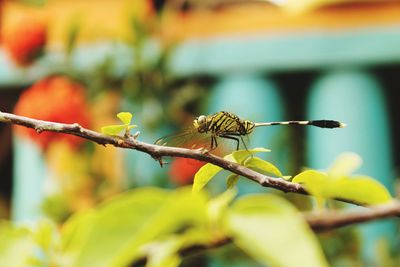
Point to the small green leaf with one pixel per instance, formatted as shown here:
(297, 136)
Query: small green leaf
(262, 166)
(272, 231)
(113, 129)
(345, 165)
(204, 175)
(232, 180)
(125, 117)
(241, 155)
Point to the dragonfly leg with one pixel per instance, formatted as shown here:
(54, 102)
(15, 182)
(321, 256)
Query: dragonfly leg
(232, 137)
(214, 143)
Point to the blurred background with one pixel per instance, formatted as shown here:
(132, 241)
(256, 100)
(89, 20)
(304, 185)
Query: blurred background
(167, 61)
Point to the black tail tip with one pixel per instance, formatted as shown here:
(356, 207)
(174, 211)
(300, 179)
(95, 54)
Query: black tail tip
(327, 124)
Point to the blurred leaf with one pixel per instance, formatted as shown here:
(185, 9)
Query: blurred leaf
(17, 245)
(345, 164)
(262, 166)
(273, 232)
(123, 224)
(316, 183)
(219, 204)
(204, 175)
(46, 235)
(361, 189)
(232, 180)
(125, 117)
(165, 253)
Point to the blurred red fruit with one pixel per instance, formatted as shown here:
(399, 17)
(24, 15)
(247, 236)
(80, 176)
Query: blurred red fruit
(183, 170)
(24, 41)
(56, 99)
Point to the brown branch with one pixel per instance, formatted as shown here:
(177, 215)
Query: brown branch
(155, 151)
(332, 220)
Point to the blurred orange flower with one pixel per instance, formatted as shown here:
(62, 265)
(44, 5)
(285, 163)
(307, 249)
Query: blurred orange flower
(56, 99)
(25, 40)
(183, 170)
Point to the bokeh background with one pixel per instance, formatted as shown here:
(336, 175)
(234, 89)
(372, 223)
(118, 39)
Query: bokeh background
(167, 61)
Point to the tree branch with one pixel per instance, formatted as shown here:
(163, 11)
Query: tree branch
(333, 219)
(155, 151)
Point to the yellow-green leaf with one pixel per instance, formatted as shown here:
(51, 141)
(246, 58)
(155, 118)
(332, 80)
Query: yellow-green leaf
(219, 204)
(272, 231)
(314, 181)
(113, 129)
(262, 166)
(241, 155)
(125, 117)
(204, 175)
(344, 165)
(362, 189)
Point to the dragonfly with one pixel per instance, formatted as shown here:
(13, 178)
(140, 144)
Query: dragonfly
(207, 129)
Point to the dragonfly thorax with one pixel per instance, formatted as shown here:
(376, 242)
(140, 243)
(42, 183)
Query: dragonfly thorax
(223, 123)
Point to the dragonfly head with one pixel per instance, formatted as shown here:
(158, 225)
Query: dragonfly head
(200, 123)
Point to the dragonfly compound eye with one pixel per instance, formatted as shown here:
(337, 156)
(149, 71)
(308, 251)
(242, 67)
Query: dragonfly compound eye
(200, 123)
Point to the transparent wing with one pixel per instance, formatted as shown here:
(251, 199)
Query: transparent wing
(191, 138)
(188, 138)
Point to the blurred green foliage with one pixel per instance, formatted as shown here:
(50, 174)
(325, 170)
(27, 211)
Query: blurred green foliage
(151, 226)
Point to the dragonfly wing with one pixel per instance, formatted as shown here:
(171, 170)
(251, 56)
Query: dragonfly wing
(189, 138)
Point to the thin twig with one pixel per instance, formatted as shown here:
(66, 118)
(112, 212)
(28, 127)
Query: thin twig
(334, 219)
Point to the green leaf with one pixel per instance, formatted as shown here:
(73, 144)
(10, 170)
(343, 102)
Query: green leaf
(345, 165)
(241, 155)
(204, 175)
(125, 117)
(17, 246)
(165, 253)
(113, 129)
(127, 222)
(362, 189)
(272, 231)
(219, 204)
(316, 183)
(232, 180)
(262, 166)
